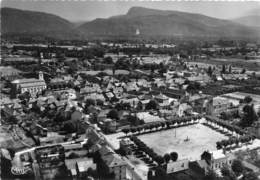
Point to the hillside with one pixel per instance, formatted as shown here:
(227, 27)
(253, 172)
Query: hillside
(151, 22)
(21, 22)
(252, 20)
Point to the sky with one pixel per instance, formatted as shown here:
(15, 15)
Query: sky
(80, 10)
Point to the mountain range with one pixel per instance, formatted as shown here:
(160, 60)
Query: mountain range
(23, 23)
(138, 21)
(251, 20)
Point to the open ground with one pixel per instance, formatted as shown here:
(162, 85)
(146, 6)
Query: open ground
(190, 141)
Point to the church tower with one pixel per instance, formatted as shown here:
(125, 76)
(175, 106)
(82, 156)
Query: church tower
(41, 75)
(137, 32)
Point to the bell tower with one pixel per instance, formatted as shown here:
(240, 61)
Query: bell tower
(41, 75)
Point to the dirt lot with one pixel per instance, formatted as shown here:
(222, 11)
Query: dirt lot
(200, 138)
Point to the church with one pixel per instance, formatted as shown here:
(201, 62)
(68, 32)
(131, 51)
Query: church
(32, 85)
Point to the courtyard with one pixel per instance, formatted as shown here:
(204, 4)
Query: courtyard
(189, 141)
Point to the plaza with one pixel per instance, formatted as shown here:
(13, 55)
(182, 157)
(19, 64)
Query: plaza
(189, 141)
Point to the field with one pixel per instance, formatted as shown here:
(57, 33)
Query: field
(200, 137)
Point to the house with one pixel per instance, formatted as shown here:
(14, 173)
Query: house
(132, 86)
(126, 145)
(215, 160)
(132, 101)
(201, 78)
(83, 166)
(76, 115)
(78, 167)
(93, 136)
(183, 109)
(109, 125)
(9, 73)
(51, 161)
(160, 98)
(177, 166)
(143, 83)
(102, 115)
(198, 102)
(235, 76)
(217, 105)
(114, 162)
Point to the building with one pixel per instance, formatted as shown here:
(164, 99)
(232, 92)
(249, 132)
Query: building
(215, 160)
(160, 98)
(177, 166)
(109, 125)
(126, 146)
(218, 105)
(32, 85)
(114, 162)
(256, 129)
(51, 161)
(9, 73)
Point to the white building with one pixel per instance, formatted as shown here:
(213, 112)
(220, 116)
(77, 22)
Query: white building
(32, 85)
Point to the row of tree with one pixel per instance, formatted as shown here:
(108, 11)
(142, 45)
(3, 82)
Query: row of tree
(150, 152)
(224, 125)
(234, 140)
(156, 126)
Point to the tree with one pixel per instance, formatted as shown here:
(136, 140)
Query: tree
(237, 166)
(89, 102)
(167, 157)
(91, 172)
(134, 120)
(248, 99)
(73, 155)
(193, 87)
(108, 60)
(150, 175)
(211, 175)
(69, 127)
(160, 173)
(249, 116)
(152, 104)
(184, 176)
(113, 114)
(139, 105)
(174, 156)
(126, 131)
(160, 160)
(99, 102)
(223, 69)
(133, 130)
(227, 173)
(209, 71)
(250, 176)
(243, 71)
(219, 145)
(25, 96)
(230, 69)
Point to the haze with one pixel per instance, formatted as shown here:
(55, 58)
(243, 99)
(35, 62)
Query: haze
(89, 10)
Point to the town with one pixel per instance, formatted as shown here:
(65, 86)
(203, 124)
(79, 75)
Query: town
(130, 110)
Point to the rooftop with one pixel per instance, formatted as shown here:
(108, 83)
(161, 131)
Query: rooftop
(242, 95)
(30, 80)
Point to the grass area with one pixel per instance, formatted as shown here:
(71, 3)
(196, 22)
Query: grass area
(200, 137)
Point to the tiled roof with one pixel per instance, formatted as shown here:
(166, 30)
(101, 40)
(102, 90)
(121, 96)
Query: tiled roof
(30, 80)
(32, 84)
(113, 160)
